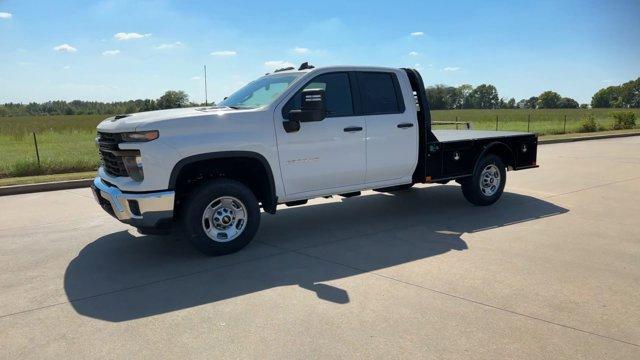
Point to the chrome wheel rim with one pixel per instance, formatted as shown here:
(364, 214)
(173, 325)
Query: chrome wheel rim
(489, 180)
(224, 219)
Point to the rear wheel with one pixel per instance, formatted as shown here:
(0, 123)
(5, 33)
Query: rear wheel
(221, 217)
(487, 183)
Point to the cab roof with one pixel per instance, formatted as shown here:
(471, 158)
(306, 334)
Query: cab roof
(305, 68)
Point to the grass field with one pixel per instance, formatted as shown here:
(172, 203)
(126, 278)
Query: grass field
(543, 121)
(66, 143)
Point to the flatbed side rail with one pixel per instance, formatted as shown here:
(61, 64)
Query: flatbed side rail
(466, 125)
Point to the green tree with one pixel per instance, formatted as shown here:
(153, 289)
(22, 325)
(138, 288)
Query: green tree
(443, 97)
(626, 95)
(531, 103)
(484, 96)
(568, 103)
(507, 104)
(606, 98)
(463, 93)
(436, 97)
(173, 99)
(630, 93)
(33, 108)
(549, 100)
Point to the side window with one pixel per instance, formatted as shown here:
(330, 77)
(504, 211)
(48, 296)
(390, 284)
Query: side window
(380, 93)
(337, 95)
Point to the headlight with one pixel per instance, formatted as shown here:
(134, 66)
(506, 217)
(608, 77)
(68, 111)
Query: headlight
(133, 164)
(140, 136)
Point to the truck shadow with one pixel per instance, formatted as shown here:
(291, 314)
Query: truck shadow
(121, 277)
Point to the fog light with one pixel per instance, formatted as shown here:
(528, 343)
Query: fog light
(133, 164)
(134, 207)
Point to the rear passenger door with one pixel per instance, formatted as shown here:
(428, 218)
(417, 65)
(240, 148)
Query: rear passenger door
(392, 131)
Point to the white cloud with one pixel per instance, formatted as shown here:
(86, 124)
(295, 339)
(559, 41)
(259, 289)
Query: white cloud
(111, 52)
(66, 67)
(300, 50)
(417, 33)
(65, 48)
(196, 78)
(224, 53)
(5, 15)
(413, 53)
(451, 69)
(121, 36)
(277, 64)
(169, 46)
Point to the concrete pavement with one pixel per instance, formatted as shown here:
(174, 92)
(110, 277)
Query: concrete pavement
(550, 271)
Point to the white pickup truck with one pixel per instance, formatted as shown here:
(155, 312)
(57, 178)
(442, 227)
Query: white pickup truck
(285, 138)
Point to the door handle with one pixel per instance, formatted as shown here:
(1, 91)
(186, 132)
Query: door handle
(352, 129)
(405, 125)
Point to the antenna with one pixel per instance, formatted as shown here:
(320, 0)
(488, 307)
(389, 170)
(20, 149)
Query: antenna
(205, 86)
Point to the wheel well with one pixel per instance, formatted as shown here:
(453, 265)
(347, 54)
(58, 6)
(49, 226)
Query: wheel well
(250, 171)
(501, 150)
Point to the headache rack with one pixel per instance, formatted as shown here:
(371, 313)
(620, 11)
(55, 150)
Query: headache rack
(109, 153)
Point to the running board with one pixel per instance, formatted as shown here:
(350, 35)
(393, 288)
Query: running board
(296, 203)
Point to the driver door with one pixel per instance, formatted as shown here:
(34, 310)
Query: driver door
(324, 156)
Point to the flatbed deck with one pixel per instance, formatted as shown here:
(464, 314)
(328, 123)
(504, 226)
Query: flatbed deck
(445, 136)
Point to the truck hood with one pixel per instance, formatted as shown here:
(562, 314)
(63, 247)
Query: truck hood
(139, 121)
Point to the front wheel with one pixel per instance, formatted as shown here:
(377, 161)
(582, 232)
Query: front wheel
(221, 217)
(486, 184)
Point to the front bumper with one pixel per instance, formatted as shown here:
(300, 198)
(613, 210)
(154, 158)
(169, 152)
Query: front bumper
(142, 210)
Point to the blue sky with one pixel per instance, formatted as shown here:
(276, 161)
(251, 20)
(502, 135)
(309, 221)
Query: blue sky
(117, 50)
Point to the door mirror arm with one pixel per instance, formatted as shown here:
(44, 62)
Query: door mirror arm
(291, 125)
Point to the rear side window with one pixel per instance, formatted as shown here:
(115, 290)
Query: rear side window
(337, 89)
(380, 93)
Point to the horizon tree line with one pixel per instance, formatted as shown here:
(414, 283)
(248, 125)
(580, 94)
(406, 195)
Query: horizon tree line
(485, 96)
(169, 100)
(441, 97)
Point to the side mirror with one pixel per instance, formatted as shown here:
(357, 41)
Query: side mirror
(312, 108)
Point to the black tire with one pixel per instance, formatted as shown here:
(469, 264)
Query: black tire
(199, 200)
(471, 186)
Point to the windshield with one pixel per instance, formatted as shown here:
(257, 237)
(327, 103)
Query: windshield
(260, 92)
